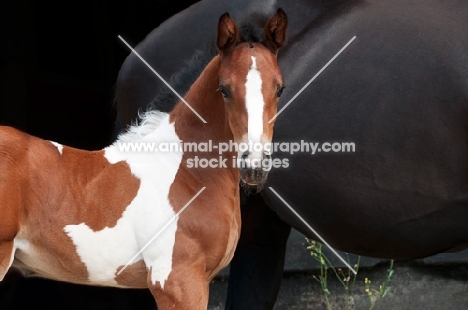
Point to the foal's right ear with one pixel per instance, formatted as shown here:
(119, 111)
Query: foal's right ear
(275, 31)
(228, 34)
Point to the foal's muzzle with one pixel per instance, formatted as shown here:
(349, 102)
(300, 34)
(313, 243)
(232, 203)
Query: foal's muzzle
(254, 169)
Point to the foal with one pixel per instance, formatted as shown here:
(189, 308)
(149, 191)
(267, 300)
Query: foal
(81, 216)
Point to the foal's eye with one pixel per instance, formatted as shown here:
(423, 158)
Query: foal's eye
(224, 92)
(279, 92)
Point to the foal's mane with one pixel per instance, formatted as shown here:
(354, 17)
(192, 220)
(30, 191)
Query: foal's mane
(251, 30)
(149, 122)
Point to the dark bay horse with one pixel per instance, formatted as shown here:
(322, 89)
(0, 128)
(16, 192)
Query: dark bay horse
(136, 214)
(399, 92)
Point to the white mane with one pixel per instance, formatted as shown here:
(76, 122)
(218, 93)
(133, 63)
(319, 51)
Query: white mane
(149, 123)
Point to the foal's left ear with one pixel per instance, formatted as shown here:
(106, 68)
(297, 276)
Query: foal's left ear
(275, 31)
(228, 34)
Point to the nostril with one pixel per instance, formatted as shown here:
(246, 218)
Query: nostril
(245, 155)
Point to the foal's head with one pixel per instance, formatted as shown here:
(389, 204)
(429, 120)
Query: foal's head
(251, 83)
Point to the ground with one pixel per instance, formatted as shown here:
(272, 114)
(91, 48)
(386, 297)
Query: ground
(436, 283)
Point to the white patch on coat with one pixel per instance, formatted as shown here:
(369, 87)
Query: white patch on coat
(103, 252)
(58, 146)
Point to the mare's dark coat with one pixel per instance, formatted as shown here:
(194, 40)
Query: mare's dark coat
(399, 92)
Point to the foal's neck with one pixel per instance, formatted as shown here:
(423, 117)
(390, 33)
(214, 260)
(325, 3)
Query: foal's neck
(204, 98)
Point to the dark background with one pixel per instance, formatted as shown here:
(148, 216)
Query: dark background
(58, 66)
(59, 62)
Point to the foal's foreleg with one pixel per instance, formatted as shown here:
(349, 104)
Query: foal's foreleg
(8, 230)
(10, 203)
(6, 257)
(185, 289)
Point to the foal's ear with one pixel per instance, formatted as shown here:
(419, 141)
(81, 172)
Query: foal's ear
(275, 31)
(228, 34)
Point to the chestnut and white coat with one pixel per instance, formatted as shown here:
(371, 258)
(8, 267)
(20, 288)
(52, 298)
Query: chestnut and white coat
(81, 216)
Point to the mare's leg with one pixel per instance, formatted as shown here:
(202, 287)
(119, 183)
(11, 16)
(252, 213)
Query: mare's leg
(257, 267)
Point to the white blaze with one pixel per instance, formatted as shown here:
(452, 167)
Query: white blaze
(254, 103)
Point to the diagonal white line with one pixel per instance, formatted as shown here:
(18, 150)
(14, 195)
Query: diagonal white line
(161, 230)
(311, 80)
(313, 230)
(162, 79)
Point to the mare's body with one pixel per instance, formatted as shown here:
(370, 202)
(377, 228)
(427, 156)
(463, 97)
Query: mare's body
(399, 92)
